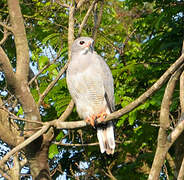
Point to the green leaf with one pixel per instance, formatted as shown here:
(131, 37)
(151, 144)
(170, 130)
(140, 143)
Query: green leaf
(43, 60)
(122, 120)
(20, 111)
(50, 36)
(53, 150)
(132, 117)
(60, 136)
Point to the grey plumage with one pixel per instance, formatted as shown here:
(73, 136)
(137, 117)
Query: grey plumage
(90, 83)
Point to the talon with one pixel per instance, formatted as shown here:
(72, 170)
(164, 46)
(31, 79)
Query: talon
(91, 120)
(101, 116)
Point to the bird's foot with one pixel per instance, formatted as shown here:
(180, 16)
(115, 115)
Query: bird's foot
(91, 120)
(101, 116)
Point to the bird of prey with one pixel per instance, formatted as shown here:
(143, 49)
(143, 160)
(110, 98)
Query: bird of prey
(90, 84)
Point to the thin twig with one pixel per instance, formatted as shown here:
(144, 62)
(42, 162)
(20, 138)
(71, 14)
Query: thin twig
(5, 36)
(6, 26)
(51, 85)
(5, 175)
(77, 145)
(13, 116)
(70, 30)
(86, 17)
(62, 4)
(45, 67)
(126, 41)
(98, 20)
(80, 3)
(67, 112)
(26, 120)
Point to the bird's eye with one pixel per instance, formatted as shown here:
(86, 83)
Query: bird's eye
(81, 42)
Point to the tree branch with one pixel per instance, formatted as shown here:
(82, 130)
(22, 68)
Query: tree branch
(6, 26)
(13, 116)
(5, 36)
(86, 17)
(24, 144)
(163, 144)
(51, 85)
(6, 67)
(79, 124)
(62, 4)
(182, 86)
(45, 67)
(80, 3)
(20, 84)
(22, 50)
(5, 175)
(156, 86)
(98, 20)
(77, 145)
(71, 29)
(181, 172)
(67, 112)
(182, 92)
(122, 50)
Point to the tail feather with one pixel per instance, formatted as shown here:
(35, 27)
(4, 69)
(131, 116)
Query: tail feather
(106, 138)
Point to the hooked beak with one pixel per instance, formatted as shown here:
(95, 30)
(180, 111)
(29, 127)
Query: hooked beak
(89, 45)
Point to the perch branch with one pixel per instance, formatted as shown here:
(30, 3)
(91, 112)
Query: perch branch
(128, 108)
(156, 86)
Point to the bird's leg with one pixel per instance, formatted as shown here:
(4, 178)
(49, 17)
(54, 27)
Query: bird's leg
(91, 120)
(101, 116)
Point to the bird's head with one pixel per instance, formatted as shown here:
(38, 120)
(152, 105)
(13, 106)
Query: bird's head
(83, 45)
